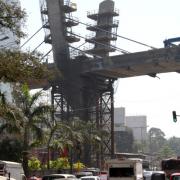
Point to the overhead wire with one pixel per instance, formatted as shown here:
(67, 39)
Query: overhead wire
(86, 24)
(118, 49)
(31, 37)
(46, 54)
(77, 48)
(38, 46)
(135, 41)
(97, 56)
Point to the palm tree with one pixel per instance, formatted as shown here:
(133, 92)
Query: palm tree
(87, 138)
(24, 120)
(56, 136)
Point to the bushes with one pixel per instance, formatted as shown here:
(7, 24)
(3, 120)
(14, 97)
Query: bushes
(58, 164)
(34, 164)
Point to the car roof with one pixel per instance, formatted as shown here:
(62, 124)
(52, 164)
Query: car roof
(5, 178)
(65, 175)
(149, 173)
(84, 172)
(174, 174)
(86, 177)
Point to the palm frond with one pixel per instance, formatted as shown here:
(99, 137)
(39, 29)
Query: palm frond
(25, 92)
(35, 97)
(40, 110)
(2, 99)
(38, 132)
(3, 127)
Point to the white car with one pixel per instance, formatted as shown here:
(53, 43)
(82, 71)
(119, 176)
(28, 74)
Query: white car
(83, 173)
(6, 178)
(59, 177)
(90, 178)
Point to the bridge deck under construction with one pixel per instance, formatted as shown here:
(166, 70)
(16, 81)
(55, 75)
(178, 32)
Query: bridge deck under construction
(137, 64)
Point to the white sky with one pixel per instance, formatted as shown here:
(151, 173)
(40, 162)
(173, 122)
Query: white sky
(150, 22)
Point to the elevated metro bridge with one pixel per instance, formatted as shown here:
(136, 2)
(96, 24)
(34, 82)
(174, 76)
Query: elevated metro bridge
(150, 63)
(85, 89)
(136, 64)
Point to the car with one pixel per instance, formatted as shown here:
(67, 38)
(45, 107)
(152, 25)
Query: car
(83, 173)
(90, 178)
(103, 175)
(6, 178)
(175, 176)
(95, 171)
(153, 175)
(59, 177)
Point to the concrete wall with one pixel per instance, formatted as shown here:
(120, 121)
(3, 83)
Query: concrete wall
(119, 119)
(138, 124)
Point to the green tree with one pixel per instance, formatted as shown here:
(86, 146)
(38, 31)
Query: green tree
(24, 120)
(60, 163)
(92, 138)
(71, 135)
(34, 164)
(174, 143)
(15, 65)
(11, 149)
(11, 16)
(166, 152)
(57, 137)
(156, 140)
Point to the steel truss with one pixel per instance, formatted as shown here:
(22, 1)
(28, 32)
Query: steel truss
(97, 107)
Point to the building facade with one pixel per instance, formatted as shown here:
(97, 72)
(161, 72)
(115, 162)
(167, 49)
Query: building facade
(138, 124)
(128, 129)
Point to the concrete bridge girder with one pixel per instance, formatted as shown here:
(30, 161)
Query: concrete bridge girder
(137, 64)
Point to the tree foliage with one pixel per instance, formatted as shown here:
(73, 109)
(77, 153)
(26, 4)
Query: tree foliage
(34, 164)
(16, 66)
(11, 17)
(174, 144)
(78, 166)
(60, 163)
(11, 149)
(156, 140)
(24, 120)
(166, 152)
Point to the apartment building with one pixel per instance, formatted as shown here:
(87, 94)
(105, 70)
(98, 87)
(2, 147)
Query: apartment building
(128, 129)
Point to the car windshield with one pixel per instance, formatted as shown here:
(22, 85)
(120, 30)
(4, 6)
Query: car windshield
(52, 178)
(88, 178)
(176, 178)
(70, 177)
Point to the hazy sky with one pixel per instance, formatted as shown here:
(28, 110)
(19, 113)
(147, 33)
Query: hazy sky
(150, 22)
